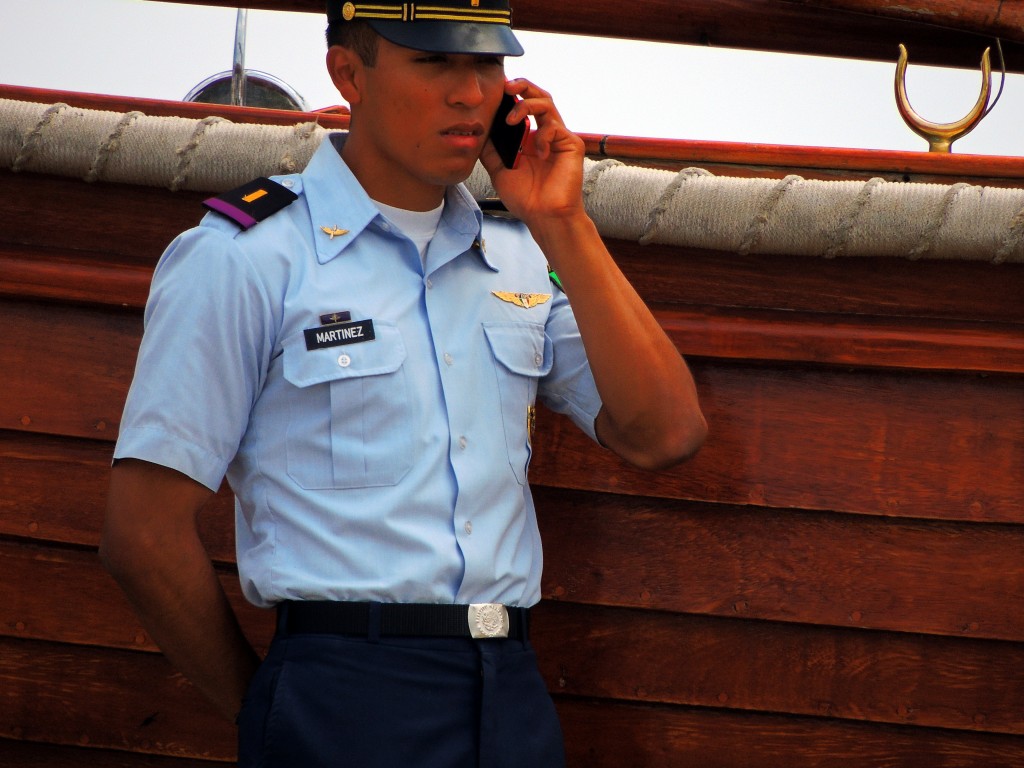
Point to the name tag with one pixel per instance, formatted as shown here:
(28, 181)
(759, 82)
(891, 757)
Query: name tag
(339, 333)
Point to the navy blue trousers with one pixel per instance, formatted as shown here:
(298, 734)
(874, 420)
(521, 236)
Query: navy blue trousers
(326, 700)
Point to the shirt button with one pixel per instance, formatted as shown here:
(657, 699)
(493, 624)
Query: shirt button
(288, 183)
(468, 527)
(448, 358)
(344, 361)
(430, 283)
(538, 359)
(463, 442)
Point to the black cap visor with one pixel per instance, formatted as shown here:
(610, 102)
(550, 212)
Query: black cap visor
(450, 36)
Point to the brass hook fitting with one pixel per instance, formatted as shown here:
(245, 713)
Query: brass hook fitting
(940, 136)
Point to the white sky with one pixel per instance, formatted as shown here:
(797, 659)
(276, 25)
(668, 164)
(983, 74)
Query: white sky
(602, 85)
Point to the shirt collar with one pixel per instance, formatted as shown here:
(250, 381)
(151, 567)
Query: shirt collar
(464, 221)
(338, 203)
(335, 198)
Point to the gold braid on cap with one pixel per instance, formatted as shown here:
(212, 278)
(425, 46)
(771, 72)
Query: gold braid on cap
(416, 12)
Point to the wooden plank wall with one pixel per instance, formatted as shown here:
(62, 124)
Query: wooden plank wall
(835, 580)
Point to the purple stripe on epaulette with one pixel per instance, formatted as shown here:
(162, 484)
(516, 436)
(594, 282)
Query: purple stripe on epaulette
(237, 215)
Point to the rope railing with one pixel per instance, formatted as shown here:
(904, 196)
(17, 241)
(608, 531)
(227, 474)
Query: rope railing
(691, 208)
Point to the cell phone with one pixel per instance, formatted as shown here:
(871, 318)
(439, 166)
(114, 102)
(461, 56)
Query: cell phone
(508, 139)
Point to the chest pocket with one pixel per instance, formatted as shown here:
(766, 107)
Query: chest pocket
(348, 426)
(522, 354)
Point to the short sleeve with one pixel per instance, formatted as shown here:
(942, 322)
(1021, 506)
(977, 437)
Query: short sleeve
(569, 387)
(202, 362)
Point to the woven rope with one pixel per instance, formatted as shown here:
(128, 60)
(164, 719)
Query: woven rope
(110, 146)
(691, 208)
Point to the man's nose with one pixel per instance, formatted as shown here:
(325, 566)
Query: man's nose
(468, 89)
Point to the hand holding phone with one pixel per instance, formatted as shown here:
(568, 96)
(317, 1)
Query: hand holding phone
(508, 139)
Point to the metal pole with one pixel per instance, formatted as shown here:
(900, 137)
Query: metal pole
(238, 62)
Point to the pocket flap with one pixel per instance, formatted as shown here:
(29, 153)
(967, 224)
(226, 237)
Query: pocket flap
(304, 367)
(522, 348)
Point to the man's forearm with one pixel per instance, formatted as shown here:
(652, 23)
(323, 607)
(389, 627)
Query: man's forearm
(151, 546)
(651, 413)
(192, 622)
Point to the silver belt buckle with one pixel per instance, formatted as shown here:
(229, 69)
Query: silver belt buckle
(488, 620)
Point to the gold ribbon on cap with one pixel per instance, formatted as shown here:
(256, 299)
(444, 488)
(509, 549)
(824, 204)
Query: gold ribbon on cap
(417, 12)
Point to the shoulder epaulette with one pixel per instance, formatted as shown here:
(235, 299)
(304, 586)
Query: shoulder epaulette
(253, 202)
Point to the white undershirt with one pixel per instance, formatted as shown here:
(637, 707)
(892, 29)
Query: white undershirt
(418, 226)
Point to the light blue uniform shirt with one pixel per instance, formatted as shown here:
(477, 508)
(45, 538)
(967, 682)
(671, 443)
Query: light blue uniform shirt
(390, 469)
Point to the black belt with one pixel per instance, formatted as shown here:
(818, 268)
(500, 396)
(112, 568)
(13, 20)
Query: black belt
(480, 621)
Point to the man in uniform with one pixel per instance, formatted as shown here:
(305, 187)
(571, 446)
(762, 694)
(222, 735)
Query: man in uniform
(358, 349)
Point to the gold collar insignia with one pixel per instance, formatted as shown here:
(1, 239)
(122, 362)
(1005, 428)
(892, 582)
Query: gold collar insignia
(524, 300)
(333, 231)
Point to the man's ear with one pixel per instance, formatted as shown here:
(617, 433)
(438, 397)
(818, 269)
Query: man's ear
(344, 66)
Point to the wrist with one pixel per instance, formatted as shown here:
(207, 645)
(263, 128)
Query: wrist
(567, 226)
(561, 223)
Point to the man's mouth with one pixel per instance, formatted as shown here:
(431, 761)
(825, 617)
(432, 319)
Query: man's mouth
(463, 130)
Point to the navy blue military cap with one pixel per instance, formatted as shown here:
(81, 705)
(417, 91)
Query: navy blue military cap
(439, 26)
